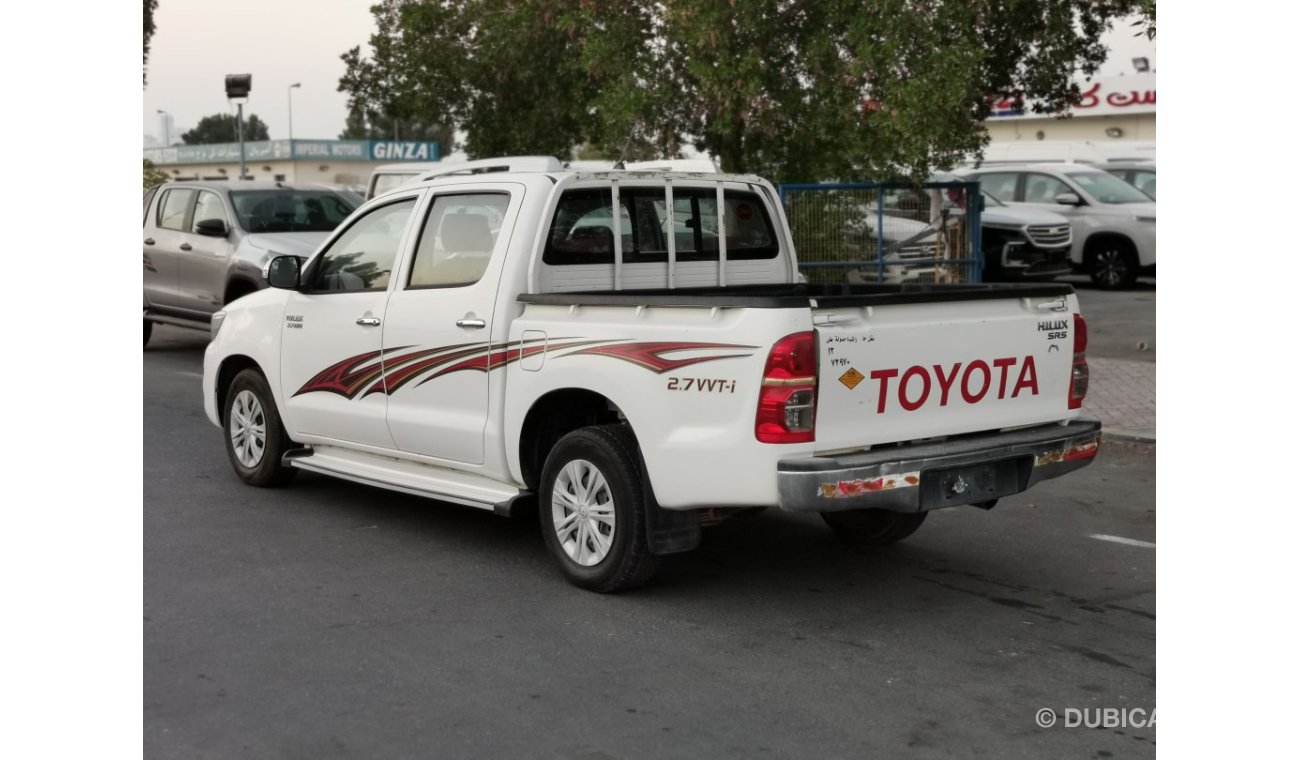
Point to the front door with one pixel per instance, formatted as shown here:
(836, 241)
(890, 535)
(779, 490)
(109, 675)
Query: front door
(439, 354)
(203, 260)
(330, 372)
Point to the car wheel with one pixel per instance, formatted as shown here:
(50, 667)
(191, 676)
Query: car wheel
(873, 527)
(148, 331)
(255, 439)
(592, 509)
(1112, 265)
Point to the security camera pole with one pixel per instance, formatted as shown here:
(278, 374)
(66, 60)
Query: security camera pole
(237, 88)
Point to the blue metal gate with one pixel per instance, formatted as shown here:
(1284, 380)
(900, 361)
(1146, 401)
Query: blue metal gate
(863, 232)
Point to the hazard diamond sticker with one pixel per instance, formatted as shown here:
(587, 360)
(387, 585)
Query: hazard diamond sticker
(851, 378)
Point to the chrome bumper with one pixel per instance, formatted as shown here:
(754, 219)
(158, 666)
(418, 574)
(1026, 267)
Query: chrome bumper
(925, 476)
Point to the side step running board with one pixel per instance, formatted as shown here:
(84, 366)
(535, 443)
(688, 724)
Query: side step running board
(408, 477)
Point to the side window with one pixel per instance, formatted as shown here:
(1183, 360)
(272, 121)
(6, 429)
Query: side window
(1145, 181)
(362, 257)
(457, 240)
(1040, 188)
(208, 207)
(171, 212)
(1000, 185)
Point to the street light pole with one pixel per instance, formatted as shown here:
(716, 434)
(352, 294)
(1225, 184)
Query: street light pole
(167, 129)
(237, 88)
(290, 91)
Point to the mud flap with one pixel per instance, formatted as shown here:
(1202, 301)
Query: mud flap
(670, 531)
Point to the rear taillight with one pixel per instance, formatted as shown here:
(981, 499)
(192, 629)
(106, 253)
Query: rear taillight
(787, 401)
(1079, 370)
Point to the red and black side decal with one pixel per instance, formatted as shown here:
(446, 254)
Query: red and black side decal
(366, 373)
(650, 355)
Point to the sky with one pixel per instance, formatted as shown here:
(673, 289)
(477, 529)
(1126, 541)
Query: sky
(281, 42)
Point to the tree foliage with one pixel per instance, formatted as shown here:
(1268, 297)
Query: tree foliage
(153, 175)
(221, 128)
(359, 127)
(149, 7)
(792, 90)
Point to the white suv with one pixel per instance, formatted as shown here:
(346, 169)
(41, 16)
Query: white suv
(1114, 223)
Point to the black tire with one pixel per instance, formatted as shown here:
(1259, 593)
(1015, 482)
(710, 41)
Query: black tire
(148, 331)
(1112, 264)
(250, 405)
(609, 451)
(873, 527)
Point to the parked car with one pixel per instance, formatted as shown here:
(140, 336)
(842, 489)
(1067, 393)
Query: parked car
(1139, 174)
(208, 243)
(635, 386)
(1114, 223)
(1017, 243)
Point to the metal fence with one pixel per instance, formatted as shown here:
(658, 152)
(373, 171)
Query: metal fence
(879, 232)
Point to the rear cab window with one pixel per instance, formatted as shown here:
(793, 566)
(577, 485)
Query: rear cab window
(583, 228)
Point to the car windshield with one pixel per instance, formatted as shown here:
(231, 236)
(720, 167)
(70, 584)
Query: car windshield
(1107, 188)
(989, 200)
(287, 210)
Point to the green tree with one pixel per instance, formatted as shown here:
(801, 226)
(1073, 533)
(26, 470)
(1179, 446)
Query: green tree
(149, 7)
(221, 128)
(360, 127)
(153, 175)
(793, 91)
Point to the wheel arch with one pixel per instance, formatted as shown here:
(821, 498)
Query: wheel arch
(1107, 236)
(554, 415)
(230, 367)
(238, 287)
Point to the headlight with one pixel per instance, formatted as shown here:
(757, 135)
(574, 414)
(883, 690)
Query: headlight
(217, 320)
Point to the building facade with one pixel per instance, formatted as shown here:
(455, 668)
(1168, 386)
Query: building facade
(330, 162)
(1110, 109)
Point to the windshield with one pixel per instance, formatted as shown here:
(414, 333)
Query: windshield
(1107, 188)
(989, 200)
(287, 210)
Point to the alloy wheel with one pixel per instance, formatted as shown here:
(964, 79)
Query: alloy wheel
(582, 507)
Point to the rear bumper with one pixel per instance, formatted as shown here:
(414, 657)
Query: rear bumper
(926, 476)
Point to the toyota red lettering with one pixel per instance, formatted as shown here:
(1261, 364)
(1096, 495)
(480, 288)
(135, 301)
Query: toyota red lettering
(913, 388)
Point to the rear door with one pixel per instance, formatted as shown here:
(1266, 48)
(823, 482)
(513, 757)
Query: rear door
(439, 353)
(907, 371)
(330, 371)
(164, 229)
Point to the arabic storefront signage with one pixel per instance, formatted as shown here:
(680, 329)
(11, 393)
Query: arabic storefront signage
(1106, 96)
(270, 150)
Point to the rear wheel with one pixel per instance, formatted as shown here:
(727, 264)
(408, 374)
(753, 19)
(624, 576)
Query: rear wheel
(255, 438)
(592, 509)
(873, 527)
(1112, 264)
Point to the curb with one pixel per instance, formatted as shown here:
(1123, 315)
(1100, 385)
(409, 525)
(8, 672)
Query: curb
(1128, 436)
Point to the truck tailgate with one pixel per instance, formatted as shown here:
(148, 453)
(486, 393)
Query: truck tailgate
(902, 372)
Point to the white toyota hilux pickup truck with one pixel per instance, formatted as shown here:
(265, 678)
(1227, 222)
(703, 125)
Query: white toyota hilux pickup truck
(496, 339)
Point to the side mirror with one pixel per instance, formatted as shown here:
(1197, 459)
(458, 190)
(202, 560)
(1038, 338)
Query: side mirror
(211, 228)
(1069, 199)
(284, 272)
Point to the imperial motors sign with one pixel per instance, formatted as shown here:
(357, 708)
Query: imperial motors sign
(1104, 96)
(264, 150)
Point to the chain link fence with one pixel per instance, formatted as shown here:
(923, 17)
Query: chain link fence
(886, 233)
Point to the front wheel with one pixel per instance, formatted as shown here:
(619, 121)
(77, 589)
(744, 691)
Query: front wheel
(1112, 265)
(592, 509)
(255, 438)
(873, 527)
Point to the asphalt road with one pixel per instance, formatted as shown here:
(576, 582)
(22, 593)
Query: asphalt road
(331, 620)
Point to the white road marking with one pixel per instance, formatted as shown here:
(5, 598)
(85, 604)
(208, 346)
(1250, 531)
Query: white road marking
(1122, 540)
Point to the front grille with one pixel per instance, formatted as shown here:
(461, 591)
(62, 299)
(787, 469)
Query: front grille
(1049, 235)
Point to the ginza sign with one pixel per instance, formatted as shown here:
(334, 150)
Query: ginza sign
(1102, 97)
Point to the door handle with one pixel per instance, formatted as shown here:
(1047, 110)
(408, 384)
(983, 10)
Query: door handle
(477, 324)
(368, 321)
(148, 241)
(186, 247)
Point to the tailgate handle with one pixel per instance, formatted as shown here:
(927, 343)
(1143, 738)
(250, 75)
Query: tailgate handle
(1057, 305)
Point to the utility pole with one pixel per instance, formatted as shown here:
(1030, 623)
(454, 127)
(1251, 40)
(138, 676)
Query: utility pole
(237, 88)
